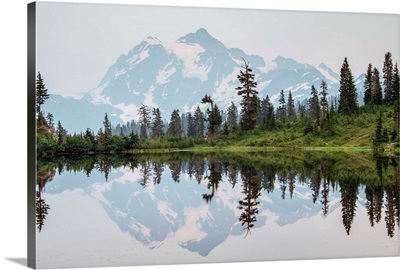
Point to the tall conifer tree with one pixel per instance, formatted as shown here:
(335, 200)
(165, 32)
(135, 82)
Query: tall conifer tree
(281, 111)
(158, 124)
(232, 116)
(144, 120)
(199, 122)
(376, 90)
(387, 78)
(291, 113)
(41, 92)
(368, 86)
(175, 124)
(324, 106)
(191, 128)
(347, 91)
(314, 108)
(395, 84)
(250, 101)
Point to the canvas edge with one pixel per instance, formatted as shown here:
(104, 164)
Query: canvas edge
(31, 143)
(398, 62)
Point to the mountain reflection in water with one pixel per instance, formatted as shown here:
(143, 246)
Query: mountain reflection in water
(202, 199)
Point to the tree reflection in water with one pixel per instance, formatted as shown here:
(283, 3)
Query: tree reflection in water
(45, 174)
(251, 190)
(42, 210)
(322, 173)
(215, 175)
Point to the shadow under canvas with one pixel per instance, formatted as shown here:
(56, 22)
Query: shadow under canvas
(20, 261)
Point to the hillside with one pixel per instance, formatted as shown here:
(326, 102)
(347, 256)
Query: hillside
(349, 132)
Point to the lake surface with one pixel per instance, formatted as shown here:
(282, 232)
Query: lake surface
(215, 207)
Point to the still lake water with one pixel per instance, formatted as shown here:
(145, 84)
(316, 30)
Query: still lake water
(214, 207)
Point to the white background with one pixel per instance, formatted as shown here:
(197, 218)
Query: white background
(13, 123)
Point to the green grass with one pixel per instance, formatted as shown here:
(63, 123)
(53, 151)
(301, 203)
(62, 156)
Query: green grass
(350, 133)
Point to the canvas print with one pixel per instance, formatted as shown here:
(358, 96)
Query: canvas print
(168, 135)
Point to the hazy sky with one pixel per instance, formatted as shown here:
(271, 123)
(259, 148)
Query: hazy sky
(77, 43)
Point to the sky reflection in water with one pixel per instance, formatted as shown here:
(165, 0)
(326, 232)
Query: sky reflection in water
(186, 208)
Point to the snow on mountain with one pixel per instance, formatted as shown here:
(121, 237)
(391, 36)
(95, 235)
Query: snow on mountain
(176, 75)
(189, 54)
(289, 75)
(173, 75)
(328, 73)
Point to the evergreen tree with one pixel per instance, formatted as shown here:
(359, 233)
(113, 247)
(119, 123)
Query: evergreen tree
(250, 101)
(89, 137)
(332, 109)
(144, 120)
(387, 78)
(41, 92)
(271, 117)
(191, 128)
(267, 111)
(199, 122)
(175, 125)
(301, 111)
(368, 86)
(225, 129)
(157, 128)
(133, 140)
(348, 92)
(61, 133)
(376, 91)
(214, 120)
(231, 120)
(395, 84)
(107, 126)
(314, 108)
(281, 111)
(291, 113)
(184, 124)
(50, 119)
(324, 106)
(262, 117)
(105, 134)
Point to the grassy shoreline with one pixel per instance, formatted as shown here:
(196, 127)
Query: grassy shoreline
(252, 149)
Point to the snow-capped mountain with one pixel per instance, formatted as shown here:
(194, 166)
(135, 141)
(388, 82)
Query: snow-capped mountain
(177, 75)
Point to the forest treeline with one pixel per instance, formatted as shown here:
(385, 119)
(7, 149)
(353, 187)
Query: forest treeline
(321, 117)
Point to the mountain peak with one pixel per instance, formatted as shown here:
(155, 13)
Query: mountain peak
(323, 66)
(283, 62)
(152, 40)
(202, 31)
(204, 39)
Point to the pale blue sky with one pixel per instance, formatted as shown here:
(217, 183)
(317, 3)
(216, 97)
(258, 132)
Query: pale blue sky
(76, 43)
